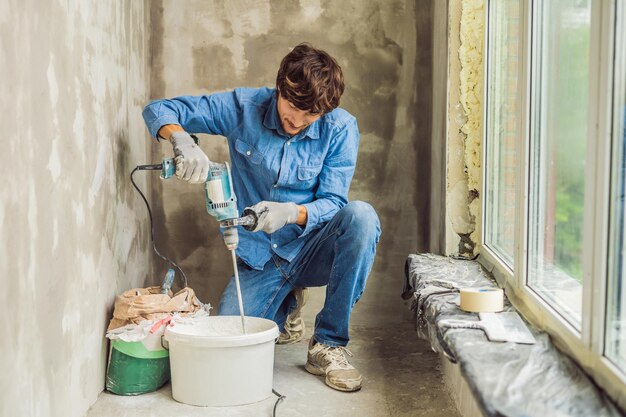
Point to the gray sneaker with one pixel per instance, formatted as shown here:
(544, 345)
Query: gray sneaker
(331, 362)
(294, 326)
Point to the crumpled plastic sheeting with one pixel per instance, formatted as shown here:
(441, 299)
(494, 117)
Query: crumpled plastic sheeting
(433, 282)
(507, 379)
(138, 332)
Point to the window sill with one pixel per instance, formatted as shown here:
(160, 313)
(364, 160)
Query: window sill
(565, 336)
(506, 378)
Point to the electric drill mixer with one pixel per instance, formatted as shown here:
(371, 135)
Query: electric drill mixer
(221, 203)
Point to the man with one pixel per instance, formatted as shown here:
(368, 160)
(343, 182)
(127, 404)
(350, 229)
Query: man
(293, 154)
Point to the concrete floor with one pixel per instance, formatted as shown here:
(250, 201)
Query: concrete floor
(402, 376)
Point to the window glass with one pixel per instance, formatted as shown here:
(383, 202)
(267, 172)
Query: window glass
(558, 149)
(503, 103)
(615, 346)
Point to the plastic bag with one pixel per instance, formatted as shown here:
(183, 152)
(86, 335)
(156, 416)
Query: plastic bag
(138, 363)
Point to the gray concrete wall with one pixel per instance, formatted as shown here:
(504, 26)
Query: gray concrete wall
(72, 232)
(439, 128)
(384, 48)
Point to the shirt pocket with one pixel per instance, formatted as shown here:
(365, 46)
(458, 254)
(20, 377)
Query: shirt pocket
(306, 177)
(248, 152)
(306, 173)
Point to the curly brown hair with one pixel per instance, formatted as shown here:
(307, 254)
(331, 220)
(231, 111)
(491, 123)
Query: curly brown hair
(310, 79)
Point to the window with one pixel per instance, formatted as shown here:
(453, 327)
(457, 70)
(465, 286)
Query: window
(559, 131)
(504, 42)
(615, 345)
(554, 222)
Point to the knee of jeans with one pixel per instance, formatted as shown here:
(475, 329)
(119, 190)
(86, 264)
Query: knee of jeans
(362, 218)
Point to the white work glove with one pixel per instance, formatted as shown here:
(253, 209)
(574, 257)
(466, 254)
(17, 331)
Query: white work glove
(272, 216)
(191, 163)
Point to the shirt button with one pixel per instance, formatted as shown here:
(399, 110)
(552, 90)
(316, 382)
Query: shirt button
(248, 153)
(274, 245)
(288, 143)
(275, 185)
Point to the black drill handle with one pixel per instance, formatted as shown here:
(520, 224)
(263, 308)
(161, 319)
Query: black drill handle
(252, 213)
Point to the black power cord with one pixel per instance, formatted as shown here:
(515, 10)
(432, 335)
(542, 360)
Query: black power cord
(278, 401)
(156, 167)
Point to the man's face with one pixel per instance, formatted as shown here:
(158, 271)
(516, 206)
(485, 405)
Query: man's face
(292, 119)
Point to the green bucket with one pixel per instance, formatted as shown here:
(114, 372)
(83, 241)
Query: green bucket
(134, 370)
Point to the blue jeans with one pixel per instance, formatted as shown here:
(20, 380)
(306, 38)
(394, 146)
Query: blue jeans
(339, 255)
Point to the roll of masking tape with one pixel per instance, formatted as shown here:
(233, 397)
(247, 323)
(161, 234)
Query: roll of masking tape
(482, 300)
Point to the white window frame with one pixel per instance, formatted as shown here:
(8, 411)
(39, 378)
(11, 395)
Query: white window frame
(619, 127)
(485, 179)
(608, 22)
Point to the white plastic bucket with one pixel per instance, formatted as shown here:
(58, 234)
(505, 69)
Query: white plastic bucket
(214, 364)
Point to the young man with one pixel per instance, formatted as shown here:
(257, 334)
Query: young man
(293, 154)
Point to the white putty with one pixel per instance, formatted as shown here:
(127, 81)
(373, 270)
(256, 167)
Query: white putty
(126, 229)
(71, 319)
(458, 213)
(54, 162)
(98, 173)
(252, 17)
(33, 234)
(201, 325)
(5, 11)
(88, 278)
(311, 9)
(4, 247)
(78, 210)
(55, 234)
(53, 88)
(71, 78)
(78, 127)
(208, 19)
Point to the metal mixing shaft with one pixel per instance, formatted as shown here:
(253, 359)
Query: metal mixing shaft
(241, 312)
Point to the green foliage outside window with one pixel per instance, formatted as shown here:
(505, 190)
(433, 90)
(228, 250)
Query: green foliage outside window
(570, 130)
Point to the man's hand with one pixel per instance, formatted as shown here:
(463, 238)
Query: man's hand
(191, 163)
(273, 216)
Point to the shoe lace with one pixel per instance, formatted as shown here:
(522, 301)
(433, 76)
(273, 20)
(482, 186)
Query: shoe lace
(337, 357)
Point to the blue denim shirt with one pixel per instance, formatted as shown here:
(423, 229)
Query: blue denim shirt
(313, 168)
